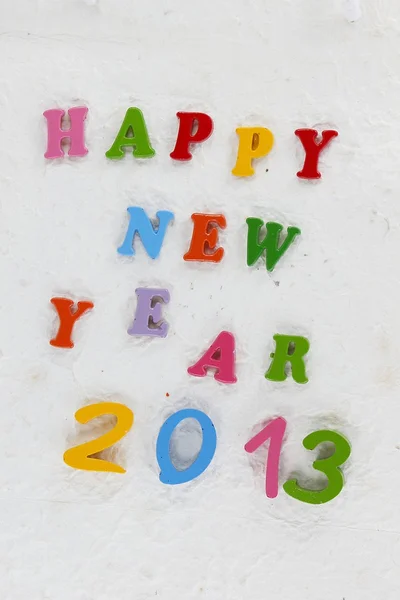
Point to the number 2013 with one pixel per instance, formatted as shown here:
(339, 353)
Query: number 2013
(81, 456)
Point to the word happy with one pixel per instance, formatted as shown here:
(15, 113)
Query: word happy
(265, 240)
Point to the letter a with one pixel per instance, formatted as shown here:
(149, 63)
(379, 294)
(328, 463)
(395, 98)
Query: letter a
(270, 243)
(313, 149)
(67, 320)
(221, 357)
(289, 348)
(140, 223)
(133, 133)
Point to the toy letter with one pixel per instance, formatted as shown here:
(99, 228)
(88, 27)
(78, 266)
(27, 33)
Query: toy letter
(152, 239)
(221, 357)
(254, 142)
(270, 243)
(313, 149)
(194, 128)
(133, 133)
(148, 317)
(67, 318)
(205, 238)
(289, 349)
(75, 134)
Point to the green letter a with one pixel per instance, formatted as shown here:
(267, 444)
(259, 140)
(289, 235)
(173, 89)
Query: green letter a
(134, 125)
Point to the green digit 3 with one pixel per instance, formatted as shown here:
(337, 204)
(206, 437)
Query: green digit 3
(328, 466)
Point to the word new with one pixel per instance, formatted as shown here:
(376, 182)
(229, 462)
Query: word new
(82, 456)
(205, 237)
(194, 128)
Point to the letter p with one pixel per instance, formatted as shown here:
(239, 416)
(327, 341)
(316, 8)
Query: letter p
(194, 128)
(254, 142)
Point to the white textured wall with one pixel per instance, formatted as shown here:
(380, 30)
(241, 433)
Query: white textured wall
(73, 535)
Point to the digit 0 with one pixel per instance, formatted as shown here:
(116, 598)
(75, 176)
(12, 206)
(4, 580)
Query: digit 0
(169, 474)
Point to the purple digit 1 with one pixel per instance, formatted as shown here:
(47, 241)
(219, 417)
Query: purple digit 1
(274, 431)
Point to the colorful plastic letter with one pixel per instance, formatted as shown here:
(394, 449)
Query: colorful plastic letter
(152, 238)
(169, 474)
(270, 243)
(289, 349)
(67, 318)
(148, 318)
(313, 149)
(221, 357)
(205, 238)
(274, 431)
(75, 134)
(133, 133)
(329, 466)
(254, 142)
(81, 457)
(194, 128)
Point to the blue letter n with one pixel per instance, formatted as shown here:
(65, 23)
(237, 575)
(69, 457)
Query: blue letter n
(140, 223)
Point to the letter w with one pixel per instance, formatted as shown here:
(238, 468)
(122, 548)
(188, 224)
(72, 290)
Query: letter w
(270, 243)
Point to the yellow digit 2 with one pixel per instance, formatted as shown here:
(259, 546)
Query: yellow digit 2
(78, 457)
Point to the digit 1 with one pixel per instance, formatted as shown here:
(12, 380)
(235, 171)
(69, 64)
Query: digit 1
(274, 431)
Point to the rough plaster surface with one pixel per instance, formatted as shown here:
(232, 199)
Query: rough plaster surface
(70, 535)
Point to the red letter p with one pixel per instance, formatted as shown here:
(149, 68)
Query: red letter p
(186, 135)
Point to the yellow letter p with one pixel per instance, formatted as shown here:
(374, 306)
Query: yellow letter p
(254, 142)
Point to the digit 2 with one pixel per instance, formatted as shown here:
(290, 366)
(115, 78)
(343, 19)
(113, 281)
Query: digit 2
(78, 457)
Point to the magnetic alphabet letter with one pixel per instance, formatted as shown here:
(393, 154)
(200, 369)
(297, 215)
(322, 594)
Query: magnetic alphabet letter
(270, 243)
(194, 128)
(148, 317)
(75, 134)
(133, 133)
(313, 149)
(221, 357)
(254, 142)
(152, 238)
(67, 318)
(205, 238)
(289, 349)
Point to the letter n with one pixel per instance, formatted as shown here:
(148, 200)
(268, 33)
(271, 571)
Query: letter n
(152, 238)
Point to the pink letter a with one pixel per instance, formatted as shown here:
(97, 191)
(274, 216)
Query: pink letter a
(221, 357)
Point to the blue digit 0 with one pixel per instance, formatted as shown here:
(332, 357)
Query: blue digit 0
(169, 474)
